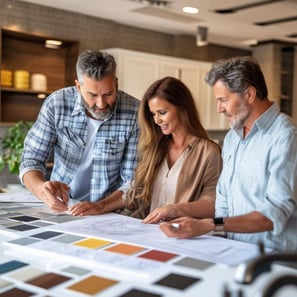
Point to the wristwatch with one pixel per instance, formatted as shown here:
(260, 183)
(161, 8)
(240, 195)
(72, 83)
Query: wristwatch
(219, 227)
(219, 224)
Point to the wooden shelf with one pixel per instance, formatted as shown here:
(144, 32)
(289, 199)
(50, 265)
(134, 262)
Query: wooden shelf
(27, 91)
(23, 51)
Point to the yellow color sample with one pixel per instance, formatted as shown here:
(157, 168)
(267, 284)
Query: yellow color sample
(92, 243)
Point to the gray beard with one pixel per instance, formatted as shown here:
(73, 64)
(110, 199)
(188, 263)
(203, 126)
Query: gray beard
(237, 124)
(242, 114)
(101, 116)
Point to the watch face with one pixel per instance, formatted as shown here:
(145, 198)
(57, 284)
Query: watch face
(218, 221)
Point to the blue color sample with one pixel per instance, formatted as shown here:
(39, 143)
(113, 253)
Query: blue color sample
(11, 265)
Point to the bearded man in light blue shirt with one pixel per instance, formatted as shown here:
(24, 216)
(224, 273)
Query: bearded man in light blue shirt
(257, 189)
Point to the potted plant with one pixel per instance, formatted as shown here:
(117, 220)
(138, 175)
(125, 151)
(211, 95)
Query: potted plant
(12, 146)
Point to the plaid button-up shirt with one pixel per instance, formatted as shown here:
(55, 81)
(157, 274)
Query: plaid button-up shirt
(62, 126)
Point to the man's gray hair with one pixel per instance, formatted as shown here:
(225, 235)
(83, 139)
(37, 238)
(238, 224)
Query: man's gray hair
(237, 74)
(95, 64)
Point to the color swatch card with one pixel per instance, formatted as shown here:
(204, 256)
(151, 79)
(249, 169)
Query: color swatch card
(122, 228)
(22, 278)
(18, 219)
(117, 257)
(54, 255)
(124, 245)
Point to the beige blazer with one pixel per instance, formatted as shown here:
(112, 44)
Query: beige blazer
(198, 176)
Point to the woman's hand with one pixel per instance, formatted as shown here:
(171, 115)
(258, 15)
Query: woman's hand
(108, 204)
(164, 213)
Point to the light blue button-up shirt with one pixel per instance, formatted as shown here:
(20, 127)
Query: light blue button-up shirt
(62, 126)
(260, 174)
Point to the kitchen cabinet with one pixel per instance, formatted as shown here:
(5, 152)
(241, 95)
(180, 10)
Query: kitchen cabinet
(287, 75)
(137, 70)
(278, 62)
(27, 52)
(192, 73)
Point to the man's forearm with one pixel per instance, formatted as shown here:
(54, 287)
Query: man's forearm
(252, 222)
(32, 179)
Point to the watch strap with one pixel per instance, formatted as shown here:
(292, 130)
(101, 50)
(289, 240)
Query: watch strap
(219, 223)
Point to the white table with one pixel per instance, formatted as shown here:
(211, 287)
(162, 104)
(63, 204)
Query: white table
(128, 271)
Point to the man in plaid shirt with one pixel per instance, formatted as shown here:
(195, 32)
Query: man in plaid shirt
(93, 131)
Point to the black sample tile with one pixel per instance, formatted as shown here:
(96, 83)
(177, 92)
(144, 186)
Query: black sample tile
(25, 218)
(22, 227)
(139, 293)
(177, 281)
(46, 234)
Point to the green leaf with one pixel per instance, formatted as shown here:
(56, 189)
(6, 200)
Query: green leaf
(12, 146)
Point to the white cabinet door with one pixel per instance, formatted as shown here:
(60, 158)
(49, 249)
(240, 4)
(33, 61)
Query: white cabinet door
(139, 75)
(192, 73)
(137, 71)
(169, 68)
(186, 72)
(189, 75)
(209, 116)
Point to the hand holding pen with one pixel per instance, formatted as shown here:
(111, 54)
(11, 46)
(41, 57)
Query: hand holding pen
(186, 227)
(56, 196)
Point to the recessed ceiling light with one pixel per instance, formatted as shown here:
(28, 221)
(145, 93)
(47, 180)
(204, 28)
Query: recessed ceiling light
(190, 9)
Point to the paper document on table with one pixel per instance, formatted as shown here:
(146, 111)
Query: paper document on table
(24, 197)
(122, 228)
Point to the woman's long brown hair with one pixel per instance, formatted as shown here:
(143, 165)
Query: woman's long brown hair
(153, 144)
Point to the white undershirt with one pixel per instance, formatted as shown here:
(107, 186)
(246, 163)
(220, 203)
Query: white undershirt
(165, 184)
(80, 185)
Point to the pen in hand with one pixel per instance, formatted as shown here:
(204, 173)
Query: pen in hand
(60, 199)
(174, 226)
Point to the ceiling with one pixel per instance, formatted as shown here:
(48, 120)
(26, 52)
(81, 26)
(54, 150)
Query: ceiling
(237, 29)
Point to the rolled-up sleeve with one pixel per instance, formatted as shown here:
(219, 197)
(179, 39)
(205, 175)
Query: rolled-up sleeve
(280, 199)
